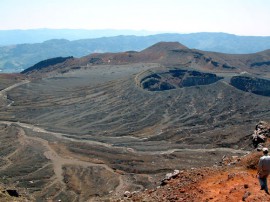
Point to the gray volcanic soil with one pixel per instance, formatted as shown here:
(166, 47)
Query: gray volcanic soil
(113, 129)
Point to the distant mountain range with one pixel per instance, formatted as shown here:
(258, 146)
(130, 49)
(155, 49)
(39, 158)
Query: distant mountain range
(12, 37)
(15, 58)
(131, 117)
(167, 54)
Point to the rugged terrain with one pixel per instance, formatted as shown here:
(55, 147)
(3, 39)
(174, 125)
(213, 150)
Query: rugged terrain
(91, 128)
(232, 183)
(23, 52)
(232, 179)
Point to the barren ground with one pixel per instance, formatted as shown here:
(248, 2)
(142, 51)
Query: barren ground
(94, 134)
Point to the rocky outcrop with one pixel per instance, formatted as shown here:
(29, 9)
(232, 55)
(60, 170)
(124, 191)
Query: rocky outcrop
(251, 84)
(260, 134)
(169, 176)
(232, 180)
(176, 78)
(258, 64)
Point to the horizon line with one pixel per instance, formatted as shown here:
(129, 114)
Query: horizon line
(147, 32)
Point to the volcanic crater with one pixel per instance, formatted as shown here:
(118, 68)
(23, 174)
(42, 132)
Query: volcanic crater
(175, 78)
(127, 119)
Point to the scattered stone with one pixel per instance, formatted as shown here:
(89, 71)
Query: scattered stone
(127, 194)
(259, 147)
(260, 134)
(233, 190)
(231, 176)
(172, 175)
(13, 192)
(182, 191)
(134, 192)
(246, 195)
(169, 176)
(175, 173)
(246, 186)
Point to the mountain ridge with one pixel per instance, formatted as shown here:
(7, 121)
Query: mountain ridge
(168, 54)
(129, 118)
(21, 36)
(18, 57)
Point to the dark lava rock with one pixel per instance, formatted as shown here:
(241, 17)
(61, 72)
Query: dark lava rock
(177, 78)
(13, 192)
(95, 61)
(251, 84)
(228, 66)
(256, 64)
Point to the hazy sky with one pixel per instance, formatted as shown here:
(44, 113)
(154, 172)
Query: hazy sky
(242, 17)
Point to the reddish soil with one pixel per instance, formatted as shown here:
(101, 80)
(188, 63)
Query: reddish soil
(236, 184)
(220, 184)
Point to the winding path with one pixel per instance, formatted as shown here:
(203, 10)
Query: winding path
(170, 151)
(58, 161)
(3, 93)
(50, 154)
(14, 86)
(65, 136)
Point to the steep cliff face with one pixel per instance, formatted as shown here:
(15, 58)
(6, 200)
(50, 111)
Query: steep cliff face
(251, 84)
(176, 78)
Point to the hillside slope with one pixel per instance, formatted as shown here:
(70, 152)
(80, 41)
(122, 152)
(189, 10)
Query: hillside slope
(207, 184)
(231, 179)
(20, 56)
(91, 128)
(166, 54)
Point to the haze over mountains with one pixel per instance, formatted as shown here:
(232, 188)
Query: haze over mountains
(126, 118)
(15, 58)
(12, 37)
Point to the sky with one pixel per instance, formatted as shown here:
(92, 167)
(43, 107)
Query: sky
(241, 17)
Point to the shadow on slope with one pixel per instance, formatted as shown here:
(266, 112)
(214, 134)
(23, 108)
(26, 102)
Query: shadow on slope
(176, 78)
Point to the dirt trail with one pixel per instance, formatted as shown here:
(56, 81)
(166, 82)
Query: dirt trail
(50, 154)
(58, 135)
(3, 93)
(59, 161)
(14, 86)
(22, 142)
(158, 131)
(222, 149)
(170, 151)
